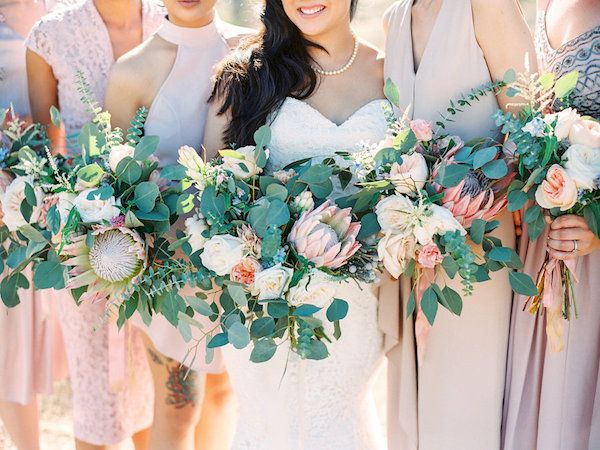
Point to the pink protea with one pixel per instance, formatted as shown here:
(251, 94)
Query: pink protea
(115, 260)
(326, 235)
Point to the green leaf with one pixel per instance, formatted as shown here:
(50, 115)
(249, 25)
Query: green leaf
(54, 116)
(429, 304)
(405, 141)
(337, 310)
(16, 257)
(211, 206)
(477, 230)
(277, 309)
(453, 300)
(9, 289)
(26, 210)
(516, 200)
(535, 228)
(500, 254)
(305, 310)
(261, 327)
(171, 304)
(410, 306)
(262, 137)
(145, 148)
(522, 283)
(30, 195)
(510, 76)
(484, 156)
(317, 351)
(532, 213)
(368, 225)
(450, 266)
(565, 84)
(32, 234)
(128, 171)
(391, 92)
(200, 305)
(317, 174)
(547, 80)
(496, 169)
(218, 340)
(145, 196)
(174, 172)
(238, 294)
(49, 274)
(91, 174)
(263, 350)
(238, 335)
(160, 213)
(102, 193)
(450, 175)
(277, 191)
(591, 213)
(131, 221)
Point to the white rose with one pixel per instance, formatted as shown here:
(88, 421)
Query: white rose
(272, 282)
(194, 226)
(12, 199)
(222, 252)
(392, 212)
(396, 251)
(96, 210)
(190, 159)
(243, 167)
(440, 222)
(564, 122)
(314, 288)
(65, 205)
(585, 132)
(583, 165)
(117, 154)
(411, 175)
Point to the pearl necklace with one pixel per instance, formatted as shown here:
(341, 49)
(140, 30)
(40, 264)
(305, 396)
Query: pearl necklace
(345, 66)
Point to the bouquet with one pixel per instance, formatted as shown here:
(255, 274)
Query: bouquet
(558, 157)
(434, 200)
(273, 248)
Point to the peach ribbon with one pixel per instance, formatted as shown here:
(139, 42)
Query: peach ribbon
(422, 325)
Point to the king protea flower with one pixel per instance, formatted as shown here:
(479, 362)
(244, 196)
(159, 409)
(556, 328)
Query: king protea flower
(326, 235)
(114, 261)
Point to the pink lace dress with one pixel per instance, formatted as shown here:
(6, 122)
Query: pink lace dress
(31, 350)
(108, 407)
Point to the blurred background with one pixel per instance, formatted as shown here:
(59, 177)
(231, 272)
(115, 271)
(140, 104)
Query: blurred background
(56, 423)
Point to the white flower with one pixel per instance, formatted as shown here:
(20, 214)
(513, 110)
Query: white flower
(96, 210)
(65, 205)
(396, 251)
(12, 199)
(314, 288)
(411, 175)
(585, 132)
(117, 153)
(272, 282)
(244, 166)
(583, 165)
(284, 176)
(303, 202)
(564, 122)
(392, 212)
(194, 226)
(196, 169)
(535, 127)
(222, 252)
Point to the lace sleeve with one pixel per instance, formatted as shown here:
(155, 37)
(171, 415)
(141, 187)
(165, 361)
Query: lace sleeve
(40, 39)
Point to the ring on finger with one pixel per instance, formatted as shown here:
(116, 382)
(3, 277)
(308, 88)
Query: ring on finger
(575, 246)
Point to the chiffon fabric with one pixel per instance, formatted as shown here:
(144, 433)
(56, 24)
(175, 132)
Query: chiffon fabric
(453, 399)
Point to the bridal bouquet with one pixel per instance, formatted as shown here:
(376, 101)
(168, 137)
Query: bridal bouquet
(434, 200)
(274, 248)
(558, 156)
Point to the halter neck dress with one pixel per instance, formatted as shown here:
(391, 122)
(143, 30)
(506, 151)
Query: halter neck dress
(453, 399)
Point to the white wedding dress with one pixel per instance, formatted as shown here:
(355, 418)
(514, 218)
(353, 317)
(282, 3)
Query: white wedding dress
(293, 404)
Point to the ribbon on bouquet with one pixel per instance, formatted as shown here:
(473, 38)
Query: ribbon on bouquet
(552, 299)
(422, 325)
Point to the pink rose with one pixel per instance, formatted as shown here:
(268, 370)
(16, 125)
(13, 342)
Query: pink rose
(430, 256)
(558, 190)
(585, 132)
(411, 175)
(244, 271)
(422, 129)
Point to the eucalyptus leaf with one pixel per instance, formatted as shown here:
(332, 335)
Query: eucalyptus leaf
(450, 175)
(128, 171)
(392, 92)
(261, 327)
(477, 230)
(565, 84)
(238, 335)
(522, 283)
(337, 310)
(55, 116)
(263, 350)
(496, 169)
(484, 156)
(145, 147)
(145, 196)
(429, 304)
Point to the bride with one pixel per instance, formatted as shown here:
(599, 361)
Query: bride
(320, 89)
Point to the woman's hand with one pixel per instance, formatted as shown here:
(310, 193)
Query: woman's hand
(570, 236)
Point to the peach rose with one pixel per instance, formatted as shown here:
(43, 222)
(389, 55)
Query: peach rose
(430, 256)
(558, 190)
(585, 132)
(422, 129)
(411, 175)
(244, 271)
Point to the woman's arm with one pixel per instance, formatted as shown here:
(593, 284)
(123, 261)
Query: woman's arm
(505, 39)
(214, 129)
(43, 94)
(122, 100)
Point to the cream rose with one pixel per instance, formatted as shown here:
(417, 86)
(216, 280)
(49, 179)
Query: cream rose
(194, 227)
(395, 251)
(118, 153)
(585, 132)
(65, 205)
(243, 167)
(392, 213)
(440, 222)
(314, 288)
(558, 190)
(583, 165)
(410, 176)
(272, 282)
(12, 199)
(96, 210)
(564, 121)
(222, 252)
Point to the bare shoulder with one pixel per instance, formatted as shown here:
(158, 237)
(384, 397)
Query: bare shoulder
(488, 7)
(371, 57)
(233, 34)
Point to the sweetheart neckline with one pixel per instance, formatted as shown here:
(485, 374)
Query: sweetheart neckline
(327, 119)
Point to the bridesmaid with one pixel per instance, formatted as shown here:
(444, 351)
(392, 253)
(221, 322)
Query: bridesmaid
(31, 349)
(436, 50)
(553, 399)
(112, 398)
(182, 54)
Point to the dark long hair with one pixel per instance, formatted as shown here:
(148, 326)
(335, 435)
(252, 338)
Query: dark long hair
(254, 80)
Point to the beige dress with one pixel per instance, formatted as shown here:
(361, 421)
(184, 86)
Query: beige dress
(453, 400)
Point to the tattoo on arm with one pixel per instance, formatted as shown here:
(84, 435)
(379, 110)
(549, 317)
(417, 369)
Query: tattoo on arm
(155, 357)
(182, 386)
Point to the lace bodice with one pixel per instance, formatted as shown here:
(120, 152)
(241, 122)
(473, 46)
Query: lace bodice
(73, 39)
(293, 404)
